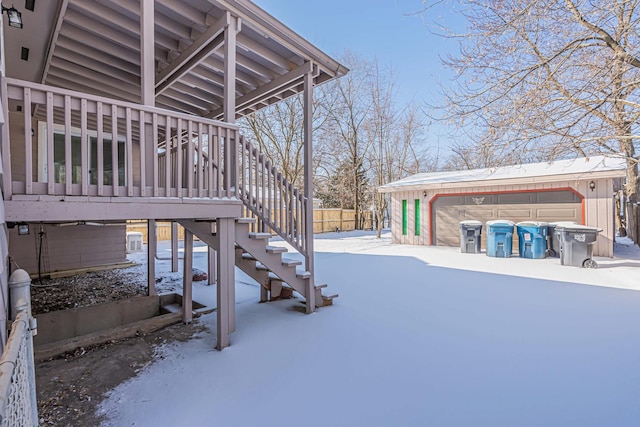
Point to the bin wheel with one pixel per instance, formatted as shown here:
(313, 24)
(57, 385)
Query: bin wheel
(550, 253)
(589, 263)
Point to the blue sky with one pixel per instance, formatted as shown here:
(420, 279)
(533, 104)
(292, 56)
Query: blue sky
(389, 30)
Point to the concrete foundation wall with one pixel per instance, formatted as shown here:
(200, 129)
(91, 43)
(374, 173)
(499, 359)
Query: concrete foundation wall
(60, 325)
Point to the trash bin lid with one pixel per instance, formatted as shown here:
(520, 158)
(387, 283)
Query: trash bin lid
(578, 228)
(500, 222)
(531, 224)
(557, 223)
(471, 222)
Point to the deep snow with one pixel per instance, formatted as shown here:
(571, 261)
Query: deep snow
(420, 336)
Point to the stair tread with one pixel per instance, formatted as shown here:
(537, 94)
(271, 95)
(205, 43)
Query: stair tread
(322, 286)
(291, 262)
(247, 256)
(245, 220)
(276, 249)
(259, 235)
(303, 274)
(333, 296)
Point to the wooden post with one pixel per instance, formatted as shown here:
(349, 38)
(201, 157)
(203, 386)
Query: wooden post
(229, 102)
(308, 187)
(187, 278)
(225, 290)
(211, 264)
(152, 249)
(147, 53)
(148, 133)
(174, 246)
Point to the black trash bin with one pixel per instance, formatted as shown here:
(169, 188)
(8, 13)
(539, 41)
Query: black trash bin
(576, 244)
(470, 236)
(553, 243)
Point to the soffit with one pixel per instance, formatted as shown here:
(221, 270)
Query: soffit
(94, 47)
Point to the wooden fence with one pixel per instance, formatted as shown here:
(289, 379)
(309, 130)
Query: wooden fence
(327, 220)
(324, 220)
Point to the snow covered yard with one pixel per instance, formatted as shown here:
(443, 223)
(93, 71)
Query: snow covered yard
(419, 336)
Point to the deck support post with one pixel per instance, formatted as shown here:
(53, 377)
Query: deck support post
(187, 278)
(308, 187)
(211, 265)
(225, 291)
(147, 145)
(152, 250)
(174, 246)
(229, 102)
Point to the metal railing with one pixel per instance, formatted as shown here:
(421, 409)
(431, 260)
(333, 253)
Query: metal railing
(18, 403)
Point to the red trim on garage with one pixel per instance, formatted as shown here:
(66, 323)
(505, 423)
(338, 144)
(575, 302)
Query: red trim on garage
(542, 190)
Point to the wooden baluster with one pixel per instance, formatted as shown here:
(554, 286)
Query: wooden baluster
(28, 143)
(115, 179)
(129, 161)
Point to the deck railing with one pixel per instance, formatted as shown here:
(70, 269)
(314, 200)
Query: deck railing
(270, 198)
(68, 147)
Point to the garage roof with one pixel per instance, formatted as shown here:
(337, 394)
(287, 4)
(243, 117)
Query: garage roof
(579, 168)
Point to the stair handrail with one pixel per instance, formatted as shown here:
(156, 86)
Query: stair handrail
(275, 203)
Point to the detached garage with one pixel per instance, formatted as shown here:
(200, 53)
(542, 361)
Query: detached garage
(427, 208)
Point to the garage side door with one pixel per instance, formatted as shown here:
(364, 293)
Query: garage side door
(548, 206)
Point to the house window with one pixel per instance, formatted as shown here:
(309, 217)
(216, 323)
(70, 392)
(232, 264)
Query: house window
(404, 217)
(61, 171)
(107, 161)
(417, 217)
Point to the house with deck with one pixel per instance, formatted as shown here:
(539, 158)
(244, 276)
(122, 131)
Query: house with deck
(119, 109)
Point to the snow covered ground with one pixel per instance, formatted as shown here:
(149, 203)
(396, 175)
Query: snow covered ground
(420, 336)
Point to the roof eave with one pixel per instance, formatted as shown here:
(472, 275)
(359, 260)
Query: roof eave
(276, 29)
(616, 173)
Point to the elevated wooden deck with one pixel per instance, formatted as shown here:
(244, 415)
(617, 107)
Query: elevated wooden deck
(44, 208)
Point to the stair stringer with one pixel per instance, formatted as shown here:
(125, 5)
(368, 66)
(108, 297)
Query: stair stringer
(273, 262)
(257, 248)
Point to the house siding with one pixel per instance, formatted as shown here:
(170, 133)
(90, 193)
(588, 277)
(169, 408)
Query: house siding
(69, 247)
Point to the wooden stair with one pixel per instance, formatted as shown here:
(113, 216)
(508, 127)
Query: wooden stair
(277, 275)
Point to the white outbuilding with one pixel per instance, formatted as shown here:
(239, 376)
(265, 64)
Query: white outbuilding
(428, 207)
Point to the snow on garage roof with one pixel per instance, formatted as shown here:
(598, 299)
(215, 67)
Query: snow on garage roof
(579, 168)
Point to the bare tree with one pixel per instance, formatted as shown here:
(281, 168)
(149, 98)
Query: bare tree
(549, 79)
(346, 118)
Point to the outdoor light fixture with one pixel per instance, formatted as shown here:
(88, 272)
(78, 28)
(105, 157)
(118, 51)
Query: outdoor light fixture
(592, 185)
(23, 229)
(424, 193)
(15, 17)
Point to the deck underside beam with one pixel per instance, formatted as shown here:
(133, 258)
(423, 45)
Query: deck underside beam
(59, 209)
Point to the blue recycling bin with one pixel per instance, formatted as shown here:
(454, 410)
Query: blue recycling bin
(532, 239)
(499, 238)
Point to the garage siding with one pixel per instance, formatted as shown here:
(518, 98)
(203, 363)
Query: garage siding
(412, 237)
